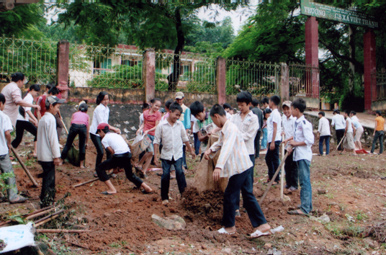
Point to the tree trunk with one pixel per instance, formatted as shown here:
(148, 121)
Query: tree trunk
(174, 77)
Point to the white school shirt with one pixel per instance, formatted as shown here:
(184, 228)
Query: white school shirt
(248, 128)
(47, 140)
(324, 127)
(356, 122)
(101, 115)
(195, 127)
(234, 157)
(274, 118)
(29, 99)
(288, 126)
(303, 133)
(338, 122)
(173, 137)
(5, 125)
(116, 142)
(228, 115)
(349, 129)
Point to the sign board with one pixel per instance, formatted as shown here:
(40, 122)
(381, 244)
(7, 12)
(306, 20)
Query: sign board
(337, 14)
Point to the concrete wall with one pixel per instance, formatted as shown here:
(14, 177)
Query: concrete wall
(378, 105)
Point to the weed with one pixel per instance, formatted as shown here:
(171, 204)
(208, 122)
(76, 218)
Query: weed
(361, 215)
(115, 245)
(329, 196)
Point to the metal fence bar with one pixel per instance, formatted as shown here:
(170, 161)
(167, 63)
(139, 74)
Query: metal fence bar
(380, 88)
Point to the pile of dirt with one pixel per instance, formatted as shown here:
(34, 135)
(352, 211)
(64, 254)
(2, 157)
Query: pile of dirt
(207, 203)
(377, 231)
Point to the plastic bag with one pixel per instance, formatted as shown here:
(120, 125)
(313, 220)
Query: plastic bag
(16, 237)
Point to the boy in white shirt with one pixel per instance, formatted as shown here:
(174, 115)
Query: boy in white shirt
(274, 139)
(301, 145)
(339, 124)
(324, 133)
(48, 150)
(121, 158)
(234, 162)
(5, 161)
(173, 135)
(348, 143)
(291, 171)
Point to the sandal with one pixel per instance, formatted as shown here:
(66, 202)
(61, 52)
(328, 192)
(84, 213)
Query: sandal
(297, 212)
(258, 234)
(19, 199)
(223, 231)
(107, 193)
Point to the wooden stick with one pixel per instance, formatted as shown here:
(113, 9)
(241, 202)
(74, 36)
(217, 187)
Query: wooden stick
(282, 170)
(84, 183)
(49, 216)
(35, 184)
(44, 230)
(40, 210)
(78, 245)
(39, 214)
(47, 220)
(341, 142)
(273, 178)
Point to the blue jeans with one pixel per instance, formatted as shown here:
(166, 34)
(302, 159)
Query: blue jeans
(184, 156)
(265, 139)
(273, 161)
(165, 178)
(244, 183)
(327, 139)
(305, 185)
(378, 135)
(197, 143)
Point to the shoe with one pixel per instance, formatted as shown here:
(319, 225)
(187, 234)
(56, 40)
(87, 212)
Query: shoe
(20, 199)
(292, 188)
(165, 202)
(237, 214)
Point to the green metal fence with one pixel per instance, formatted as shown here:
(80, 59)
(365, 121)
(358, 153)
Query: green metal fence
(300, 79)
(105, 67)
(256, 77)
(197, 73)
(36, 59)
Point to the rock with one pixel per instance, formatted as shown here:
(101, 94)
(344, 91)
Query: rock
(286, 198)
(274, 252)
(371, 243)
(227, 251)
(322, 191)
(173, 222)
(268, 245)
(322, 219)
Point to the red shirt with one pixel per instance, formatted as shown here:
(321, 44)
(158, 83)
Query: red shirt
(151, 120)
(42, 102)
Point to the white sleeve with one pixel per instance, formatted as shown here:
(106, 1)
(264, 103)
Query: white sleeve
(308, 134)
(157, 135)
(276, 118)
(105, 142)
(7, 124)
(53, 138)
(320, 126)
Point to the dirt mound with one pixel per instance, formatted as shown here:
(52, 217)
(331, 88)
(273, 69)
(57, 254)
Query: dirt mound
(377, 231)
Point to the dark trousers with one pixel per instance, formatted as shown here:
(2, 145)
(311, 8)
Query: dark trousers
(59, 125)
(244, 183)
(273, 161)
(97, 141)
(47, 196)
(121, 161)
(252, 172)
(197, 143)
(257, 144)
(325, 138)
(76, 129)
(165, 178)
(339, 136)
(291, 171)
(22, 125)
(184, 157)
(378, 135)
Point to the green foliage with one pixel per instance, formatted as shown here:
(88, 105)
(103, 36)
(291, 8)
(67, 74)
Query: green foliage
(3, 181)
(122, 76)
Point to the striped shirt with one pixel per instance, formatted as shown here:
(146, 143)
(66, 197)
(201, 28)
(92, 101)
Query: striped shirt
(234, 157)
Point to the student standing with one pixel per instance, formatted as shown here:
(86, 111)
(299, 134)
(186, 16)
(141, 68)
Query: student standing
(291, 171)
(41, 101)
(48, 150)
(173, 134)
(339, 124)
(274, 139)
(26, 120)
(378, 132)
(324, 133)
(185, 119)
(234, 162)
(358, 129)
(5, 161)
(348, 143)
(301, 145)
(259, 113)
(264, 141)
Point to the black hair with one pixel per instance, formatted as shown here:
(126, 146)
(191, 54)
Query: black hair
(35, 87)
(175, 107)
(379, 113)
(322, 113)
(83, 107)
(266, 111)
(227, 106)
(347, 112)
(265, 100)
(145, 106)
(217, 109)
(54, 91)
(154, 100)
(196, 107)
(244, 97)
(50, 85)
(353, 112)
(168, 103)
(15, 77)
(336, 111)
(2, 98)
(100, 97)
(275, 99)
(300, 104)
(255, 102)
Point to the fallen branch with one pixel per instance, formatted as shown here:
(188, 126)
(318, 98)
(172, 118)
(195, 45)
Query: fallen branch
(84, 183)
(35, 184)
(78, 245)
(44, 230)
(40, 210)
(39, 214)
(47, 220)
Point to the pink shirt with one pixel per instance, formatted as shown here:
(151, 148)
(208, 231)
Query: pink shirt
(12, 94)
(80, 118)
(151, 120)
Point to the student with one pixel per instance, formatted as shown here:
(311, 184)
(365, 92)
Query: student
(265, 104)
(324, 133)
(301, 147)
(274, 139)
(291, 171)
(195, 130)
(229, 110)
(145, 106)
(5, 161)
(358, 129)
(41, 101)
(167, 105)
(48, 150)
(348, 143)
(26, 120)
(378, 132)
(121, 158)
(152, 118)
(339, 124)
(185, 118)
(234, 162)
(266, 113)
(259, 113)
(80, 125)
(173, 134)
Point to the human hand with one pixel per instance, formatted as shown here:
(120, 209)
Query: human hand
(193, 153)
(37, 107)
(207, 153)
(146, 132)
(118, 131)
(216, 174)
(290, 149)
(272, 146)
(58, 161)
(292, 143)
(156, 160)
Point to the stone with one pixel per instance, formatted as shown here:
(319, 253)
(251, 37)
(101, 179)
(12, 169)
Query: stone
(268, 245)
(227, 251)
(322, 191)
(173, 222)
(322, 219)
